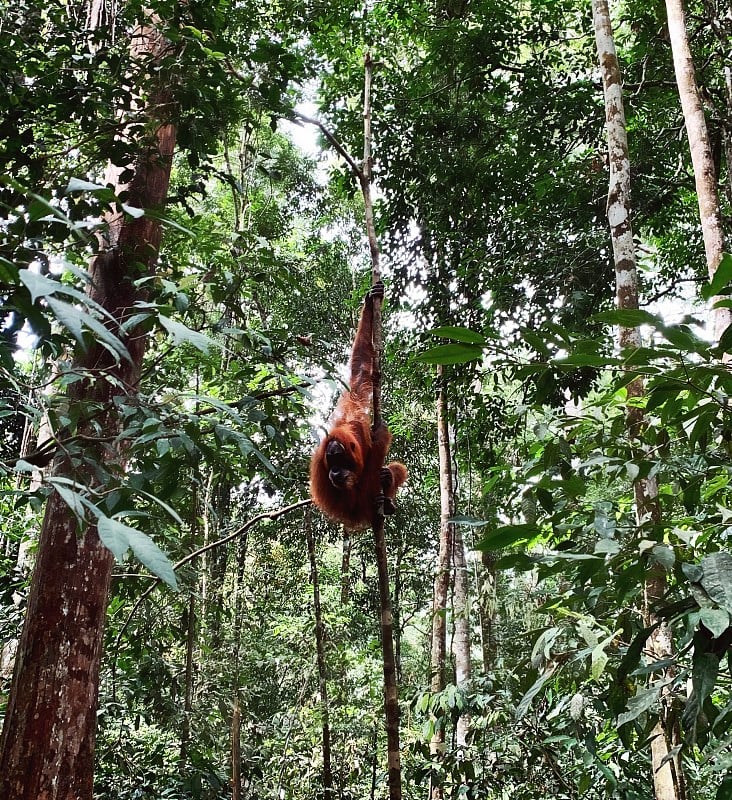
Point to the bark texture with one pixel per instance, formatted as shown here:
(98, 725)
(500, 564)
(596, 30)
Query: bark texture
(705, 174)
(328, 791)
(461, 640)
(47, 746)
(667, 776)
(488, 610)
(441, 588)
(391, 691)
(236, 751)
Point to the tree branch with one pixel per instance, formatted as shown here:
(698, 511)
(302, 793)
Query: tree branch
(191, 556)
(357, 171)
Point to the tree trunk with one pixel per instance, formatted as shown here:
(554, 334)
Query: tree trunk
(391, 690)
(216, 516)
(727, 131)
(47, 748)
(705, 175)
(441, 587)
(190, 625)
(236, 751)
(667, 777)
(328, 792)
(461, 640)
(346, 568)
(489, 644)
(396, 607)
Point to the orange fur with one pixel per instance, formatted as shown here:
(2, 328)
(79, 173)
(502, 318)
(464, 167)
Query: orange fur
(352, 454)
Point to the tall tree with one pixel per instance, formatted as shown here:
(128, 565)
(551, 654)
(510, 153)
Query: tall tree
(667, 776)
(441, 588)
(705, 172)
(320, 635)
(57, 666)
(462, 638)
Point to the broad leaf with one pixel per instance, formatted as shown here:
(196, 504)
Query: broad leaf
(525, 703)
(630, 318)
(716, 619)
(72, 499)
(682, 338)
(133, 211)
(79, 185)
(464, 335)
(664, 555)
(586, 360)
(470, 522)
(703, 679)
(451, 354)
(717, 578)
(643, 700)
(180, 334)
(73, 317)
(507, 536)
(599, 660)
(604, 522)
(38, 285)
(119, 538)
(720, 280)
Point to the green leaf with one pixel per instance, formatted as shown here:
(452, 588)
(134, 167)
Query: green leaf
(664, 555)
(542, 649)
(114, 536)
(725, 340)
(133, 211)
(41, 286)
(703, 677)
(72, 317)
(716, 619)
(536, 342)
(682, 338)
(641, 356)
(162, 504)
(38, 285)
(544, 496)
(152, 214)
(525, 703)
(724, 792)
(604, 522)
(565, 555)
(465, 335)
(633, 470)
(643, 700)
(606, 547)
(79, 185)
(586, 360)
(633, 653)
(119, 538)
(41, 208)
(450, 354)
(152, 557)
(72, 499)
(599, 661)
(720, 280)
(68, 316)
(717, 579)
(180, 334)
(507, 536)
(39, 211)
(629, 318)
(23, 466)
(470, 522)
